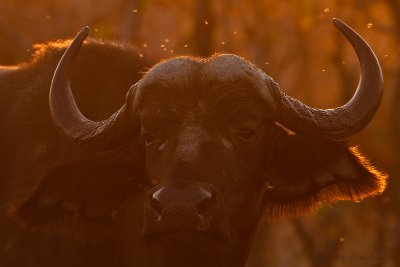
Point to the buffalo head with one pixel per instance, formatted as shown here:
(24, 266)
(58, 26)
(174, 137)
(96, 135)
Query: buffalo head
(223, 145)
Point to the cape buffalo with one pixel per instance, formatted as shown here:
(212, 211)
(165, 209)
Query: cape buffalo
(198, 151)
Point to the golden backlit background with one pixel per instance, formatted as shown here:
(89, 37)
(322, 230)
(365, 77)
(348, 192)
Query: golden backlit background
(295, 43)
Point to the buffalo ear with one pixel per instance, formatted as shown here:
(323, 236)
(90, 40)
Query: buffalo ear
(309, 171)
(79, 199)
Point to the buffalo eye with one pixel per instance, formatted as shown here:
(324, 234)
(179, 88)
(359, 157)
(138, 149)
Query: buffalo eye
(246, 135)
(148, 138)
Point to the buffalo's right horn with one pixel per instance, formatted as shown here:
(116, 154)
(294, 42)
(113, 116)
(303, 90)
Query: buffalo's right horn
(67, 117)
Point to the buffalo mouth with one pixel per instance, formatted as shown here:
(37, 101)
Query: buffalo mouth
(187, 247)
(189, 239)
(184, 235)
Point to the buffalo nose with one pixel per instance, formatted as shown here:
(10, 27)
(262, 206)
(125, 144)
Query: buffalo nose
(183, 198)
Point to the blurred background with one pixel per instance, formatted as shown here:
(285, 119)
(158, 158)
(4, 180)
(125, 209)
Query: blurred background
(296, 44)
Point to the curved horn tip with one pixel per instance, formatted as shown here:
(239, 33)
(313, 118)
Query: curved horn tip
(339, 24)
(83, 33)
(336, 21)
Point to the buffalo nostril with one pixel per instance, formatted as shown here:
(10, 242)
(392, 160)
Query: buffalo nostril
(156, 206)
(206, 205)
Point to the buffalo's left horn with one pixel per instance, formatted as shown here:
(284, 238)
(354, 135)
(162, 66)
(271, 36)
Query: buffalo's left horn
(344, 121)
(66, 115)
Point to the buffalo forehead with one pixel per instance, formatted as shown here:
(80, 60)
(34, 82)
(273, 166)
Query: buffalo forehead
(173, 72)
(224, 68)
(231, 68)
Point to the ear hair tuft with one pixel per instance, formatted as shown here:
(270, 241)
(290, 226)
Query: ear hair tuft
(372, 184)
